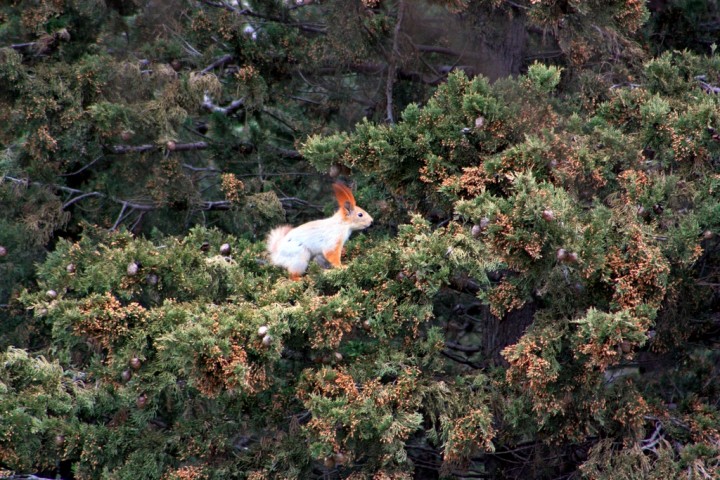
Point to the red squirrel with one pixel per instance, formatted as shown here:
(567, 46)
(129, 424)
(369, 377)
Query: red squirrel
(293, 248)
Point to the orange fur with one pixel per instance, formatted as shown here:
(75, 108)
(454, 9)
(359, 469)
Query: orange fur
(333, 255)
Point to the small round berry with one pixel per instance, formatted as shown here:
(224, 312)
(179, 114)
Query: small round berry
(135, 363)
(132, 268)
(548, 215)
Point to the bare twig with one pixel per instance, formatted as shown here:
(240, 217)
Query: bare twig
(249, 13)
(80, 197)
(137, 221)
(702, 80)
(20, 46)
(650, 443)
(132, 148)
(120, 217)
(184, 147)
(234, 106)
(142, 207)
(459, 359)
(178, 147)
(284, 152)
(83, 168)
(200, 169)
(217, 63)
(392, 67)
(462, 348)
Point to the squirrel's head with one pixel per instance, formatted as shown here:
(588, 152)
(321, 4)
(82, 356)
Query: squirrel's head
(351, 213)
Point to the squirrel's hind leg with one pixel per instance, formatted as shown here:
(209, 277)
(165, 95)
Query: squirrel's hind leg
(297, 266)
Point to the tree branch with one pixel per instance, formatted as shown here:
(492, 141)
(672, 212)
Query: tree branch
(462, 348)
(368, 68)
(21, 46)
(234, 106)
(459, 359)
(121, 149)
(83, 168)
(176, 147)
(249, 13)
(284, 152)
(217, 63)
(392, 67)
(80, 197)
(143, 207)
(184, 147)
(200, 169)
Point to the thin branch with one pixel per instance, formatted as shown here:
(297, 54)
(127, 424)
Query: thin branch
(20, 46)
(184, 147)
(284, 152)
(392, 68)
(80, 197)
(217, 63)
(234, 106)
(200, 169)
(517, 5)
(461, 360)
(215, 205)
(137, 221)
(306, 100)
(120, 149)
(269, 112)
(142, 207)
(82, 169)
(120, 217)
(650, 443)
(249, 13)
(441, 50)
(188, 48)
(177, 147)
(709, 88)
(299, 201)
(367, 68)
(462, 348)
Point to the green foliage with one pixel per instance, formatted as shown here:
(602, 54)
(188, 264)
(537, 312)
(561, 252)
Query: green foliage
(540, 293)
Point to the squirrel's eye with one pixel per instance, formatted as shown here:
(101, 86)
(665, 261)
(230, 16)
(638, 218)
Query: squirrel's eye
(359, 214)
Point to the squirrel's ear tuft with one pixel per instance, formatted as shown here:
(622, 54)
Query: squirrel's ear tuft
(344, 196)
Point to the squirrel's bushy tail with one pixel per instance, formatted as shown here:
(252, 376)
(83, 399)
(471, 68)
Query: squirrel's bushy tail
(274, 237)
